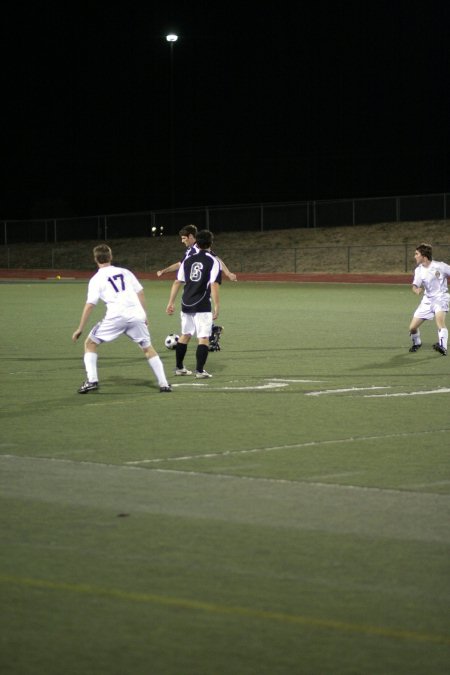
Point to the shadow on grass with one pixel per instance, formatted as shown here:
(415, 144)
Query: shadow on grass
(401, 361)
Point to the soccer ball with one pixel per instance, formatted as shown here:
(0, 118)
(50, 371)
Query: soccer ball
(171, 341)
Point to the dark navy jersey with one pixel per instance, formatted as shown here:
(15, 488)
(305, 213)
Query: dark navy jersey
(198, 272)
(191, 250)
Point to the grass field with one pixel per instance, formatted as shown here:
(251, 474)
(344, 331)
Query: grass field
(289, 516)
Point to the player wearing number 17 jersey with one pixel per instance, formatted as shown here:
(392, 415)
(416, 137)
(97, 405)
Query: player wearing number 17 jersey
(125, 314)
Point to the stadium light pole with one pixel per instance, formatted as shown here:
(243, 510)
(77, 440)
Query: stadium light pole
(171, 39)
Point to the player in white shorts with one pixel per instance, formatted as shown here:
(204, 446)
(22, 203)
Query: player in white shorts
(430, 278)
(199, 275)
(125, 315)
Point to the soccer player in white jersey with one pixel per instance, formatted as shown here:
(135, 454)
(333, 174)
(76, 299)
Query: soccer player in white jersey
(125, 315)
(430, 278)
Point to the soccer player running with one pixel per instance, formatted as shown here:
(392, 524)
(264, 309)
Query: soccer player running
(125, 315)
(200, 274)
(430, 278)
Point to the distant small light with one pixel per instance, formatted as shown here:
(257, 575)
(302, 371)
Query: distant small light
(171, 37)
(153, 229)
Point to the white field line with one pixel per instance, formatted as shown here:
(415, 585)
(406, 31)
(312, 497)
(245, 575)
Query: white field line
(327, 476)
(436, 483)
(279, 382)
(313, 481)
(188, 384)
(272, 383)
(269, 385)
(308, 444)
(342, 391)
(442, 390)
(290, 380)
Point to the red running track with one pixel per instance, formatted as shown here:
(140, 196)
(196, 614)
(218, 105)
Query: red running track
(347, 278)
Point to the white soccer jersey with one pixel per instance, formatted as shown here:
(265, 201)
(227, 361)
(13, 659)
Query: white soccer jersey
(433, 279)
(118, 288)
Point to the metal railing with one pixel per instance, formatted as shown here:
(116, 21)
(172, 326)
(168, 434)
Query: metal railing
(233, 218)
(377, 259)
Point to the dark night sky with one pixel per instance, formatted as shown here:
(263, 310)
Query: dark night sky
(271, 103)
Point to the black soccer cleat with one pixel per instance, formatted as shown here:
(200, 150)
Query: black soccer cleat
(438, 348)
(162, 390)
(88, 386)
(214, 338)
(415, 348)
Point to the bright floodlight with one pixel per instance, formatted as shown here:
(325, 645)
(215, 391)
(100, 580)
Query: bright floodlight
(171, 37)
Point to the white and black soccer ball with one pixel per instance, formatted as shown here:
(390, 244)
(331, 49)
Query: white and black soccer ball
(171, 341)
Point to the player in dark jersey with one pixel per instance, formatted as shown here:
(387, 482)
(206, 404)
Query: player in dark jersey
(200, 273)
(188, 236)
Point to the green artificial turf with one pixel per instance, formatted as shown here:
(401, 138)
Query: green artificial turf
(290, 515)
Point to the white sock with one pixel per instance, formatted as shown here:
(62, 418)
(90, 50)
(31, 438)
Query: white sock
(443, 337)
(90, 363)
(416, 338)
(156, 365)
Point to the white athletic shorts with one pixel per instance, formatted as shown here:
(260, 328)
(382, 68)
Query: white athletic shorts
(110, 329)
(199, 324)
(427, 309)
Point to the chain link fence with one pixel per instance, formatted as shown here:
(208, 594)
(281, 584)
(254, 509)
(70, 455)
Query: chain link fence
(386, 258)
(235, 218)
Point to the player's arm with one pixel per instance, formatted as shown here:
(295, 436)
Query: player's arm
(83, 321)
(230, 275)
(215, 299)
(417, 289)
(172, 268)
(173, 294)
(141, 298)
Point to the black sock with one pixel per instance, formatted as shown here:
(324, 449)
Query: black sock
(180, 351)
(201, 355)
